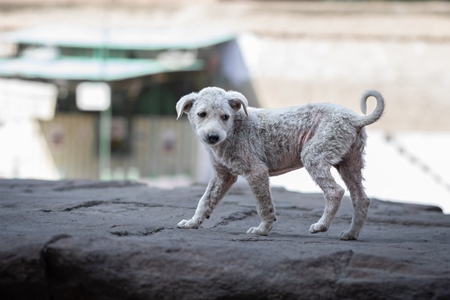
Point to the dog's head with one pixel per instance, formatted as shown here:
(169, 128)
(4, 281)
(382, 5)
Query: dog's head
(212, 112)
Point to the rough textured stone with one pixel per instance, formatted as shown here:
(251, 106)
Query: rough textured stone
(118, 240)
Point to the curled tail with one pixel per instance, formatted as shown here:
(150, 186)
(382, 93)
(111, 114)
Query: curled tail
(362, 121)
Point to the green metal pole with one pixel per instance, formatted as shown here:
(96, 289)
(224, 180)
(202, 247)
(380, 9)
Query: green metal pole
(105, 145)
(105, 115)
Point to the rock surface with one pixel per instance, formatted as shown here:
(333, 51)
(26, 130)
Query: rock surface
(118, 240)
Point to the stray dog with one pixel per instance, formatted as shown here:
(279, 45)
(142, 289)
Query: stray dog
(258, 143)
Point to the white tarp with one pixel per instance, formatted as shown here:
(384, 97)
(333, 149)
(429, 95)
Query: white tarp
(21, 99)
(24, 152)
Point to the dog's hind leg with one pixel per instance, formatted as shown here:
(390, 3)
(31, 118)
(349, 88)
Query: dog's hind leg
(350, 170)
(319, 170)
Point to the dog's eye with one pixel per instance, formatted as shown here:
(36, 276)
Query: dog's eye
(225, 117)
(201, 114)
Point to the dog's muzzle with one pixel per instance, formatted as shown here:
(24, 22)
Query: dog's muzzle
(212, 138)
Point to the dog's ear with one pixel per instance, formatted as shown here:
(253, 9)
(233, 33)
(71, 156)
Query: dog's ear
(236, 100)
(184, 105)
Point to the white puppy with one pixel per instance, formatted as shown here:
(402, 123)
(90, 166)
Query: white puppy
(258, 143)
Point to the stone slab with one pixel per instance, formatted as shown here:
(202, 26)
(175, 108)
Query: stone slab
(119, 240)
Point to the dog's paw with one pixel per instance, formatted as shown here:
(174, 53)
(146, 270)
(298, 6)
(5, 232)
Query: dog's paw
(258, 231)
(318, 227)
(348, 236)
(262, 229)
(189, 224)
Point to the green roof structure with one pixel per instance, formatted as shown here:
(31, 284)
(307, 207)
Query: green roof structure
(89, 69)
(189, 59)
(123, 38)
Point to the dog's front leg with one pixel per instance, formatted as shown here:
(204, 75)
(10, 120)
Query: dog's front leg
(259, 183)
(217, 188)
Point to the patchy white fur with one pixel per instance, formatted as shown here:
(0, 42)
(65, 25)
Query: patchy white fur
(258, 143)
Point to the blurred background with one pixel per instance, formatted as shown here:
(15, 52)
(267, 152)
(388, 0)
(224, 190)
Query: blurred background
(88, 88)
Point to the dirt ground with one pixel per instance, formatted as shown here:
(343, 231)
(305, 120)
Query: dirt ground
(300, 52)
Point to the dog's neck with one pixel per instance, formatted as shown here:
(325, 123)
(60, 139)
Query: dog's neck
(228, 154)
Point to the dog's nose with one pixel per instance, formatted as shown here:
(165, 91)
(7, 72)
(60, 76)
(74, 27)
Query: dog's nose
(213, 138)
